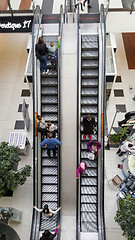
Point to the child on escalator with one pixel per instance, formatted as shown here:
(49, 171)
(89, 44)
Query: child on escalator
(53, 56)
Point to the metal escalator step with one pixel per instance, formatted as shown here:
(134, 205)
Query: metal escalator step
(48, 223)
(49, 179)
(49, 99)
(50, 117)
(92, 172)
(90, 54)
(50, 75)
(88, 207)
(44, 153)
(89, 38)
(49, 90)
(88, 226)
(49, 197)
(86, 82)
(49, 170)
(49, 188)
(49, 108)
(88, 190)
(89, 217)
(49, 162)
(51, 205)
(89, 109)
(89, 45)
(88, 73)
(89, 181)
(49, 82)
(92, 63)
(89, 91)
(88, 199)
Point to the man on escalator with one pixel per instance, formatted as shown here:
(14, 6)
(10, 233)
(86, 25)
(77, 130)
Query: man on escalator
(89, 126)
(50, 143)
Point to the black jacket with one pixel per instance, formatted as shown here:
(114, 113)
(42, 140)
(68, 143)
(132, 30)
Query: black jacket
(41, 50)
(88, 125)
(50, 237)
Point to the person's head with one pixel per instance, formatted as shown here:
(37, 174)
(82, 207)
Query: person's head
(52, 44)
(130, 145)
(50, 135)
(46, 209)
(41, 41)
(94, 143)
(39, 117)
(49, 123)
(88, 117)
(46, 233)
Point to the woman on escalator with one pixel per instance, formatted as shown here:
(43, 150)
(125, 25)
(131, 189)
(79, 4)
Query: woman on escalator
(49, 236)
(47, 211)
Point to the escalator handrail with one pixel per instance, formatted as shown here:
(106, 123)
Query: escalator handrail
(101, 111)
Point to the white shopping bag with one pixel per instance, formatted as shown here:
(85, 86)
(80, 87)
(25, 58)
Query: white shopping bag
(91, 156)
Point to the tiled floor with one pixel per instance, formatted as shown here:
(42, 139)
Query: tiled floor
(13, 57)
(111, 159)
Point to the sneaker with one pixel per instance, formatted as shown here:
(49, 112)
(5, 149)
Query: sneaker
(84, 136)
(47, 71)
(90, 136)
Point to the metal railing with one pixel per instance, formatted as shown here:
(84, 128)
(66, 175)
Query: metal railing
(101, 115)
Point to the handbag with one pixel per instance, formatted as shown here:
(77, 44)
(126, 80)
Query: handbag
(91, 156)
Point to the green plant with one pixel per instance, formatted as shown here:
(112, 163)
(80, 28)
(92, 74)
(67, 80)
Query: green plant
(125, 217)
(9, 178)
(117, 137)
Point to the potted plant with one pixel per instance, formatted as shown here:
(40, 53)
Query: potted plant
(116, 138)
(10, 177)
(125, 216)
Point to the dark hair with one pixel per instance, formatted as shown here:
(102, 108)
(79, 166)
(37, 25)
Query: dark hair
(50, 135)
(46, 233)
(41, 41)
(130, 145)
(46, 209)
(39, 117)
(95, 143)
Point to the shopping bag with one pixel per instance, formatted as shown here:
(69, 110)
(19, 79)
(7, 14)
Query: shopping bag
(91, 156)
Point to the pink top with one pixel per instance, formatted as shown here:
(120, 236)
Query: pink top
(80, 169)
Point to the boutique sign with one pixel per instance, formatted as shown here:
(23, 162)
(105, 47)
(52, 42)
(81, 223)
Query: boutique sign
(16, 24)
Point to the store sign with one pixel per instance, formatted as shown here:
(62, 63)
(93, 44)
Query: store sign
(16, 24)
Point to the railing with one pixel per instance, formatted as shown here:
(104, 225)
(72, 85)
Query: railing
(101, 115)
(35, 32)
(78, 196)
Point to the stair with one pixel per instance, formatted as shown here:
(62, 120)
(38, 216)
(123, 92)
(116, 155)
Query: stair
(89, 104)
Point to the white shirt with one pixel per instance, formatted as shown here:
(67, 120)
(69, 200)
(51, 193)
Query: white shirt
(52, 128)
(125, 147)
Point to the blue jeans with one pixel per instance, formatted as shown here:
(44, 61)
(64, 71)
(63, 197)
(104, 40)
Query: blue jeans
(43, 63)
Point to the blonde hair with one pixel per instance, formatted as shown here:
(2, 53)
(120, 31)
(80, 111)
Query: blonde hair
(51, 43)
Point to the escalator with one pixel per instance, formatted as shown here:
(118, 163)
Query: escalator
(50, 165)
(89, 104)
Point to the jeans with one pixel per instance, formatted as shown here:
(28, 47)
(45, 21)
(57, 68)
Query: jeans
(43, 63)
(54, 152)
(54, 63)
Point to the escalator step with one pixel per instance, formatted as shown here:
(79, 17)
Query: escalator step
(94, 137)
(89, 45)
(90, 54)
(49, 99)
(50, 117)
(44, 153)
(88, 190)
(50, 75)
(92, 172)
(49, 171)
(49, 82)
(89, 82)
(89, 38)
(49, 108)
(89, 101)
(89, 109)
(49, 197)
(49, 188)
(88, 227)
(90, 64)
(49, 162)
(88, 207)
(89, 91)
(88, 199)
(89, 73)
(49, 180)
(88, 181)
(48, 223)
(49, 90)
(89, 217)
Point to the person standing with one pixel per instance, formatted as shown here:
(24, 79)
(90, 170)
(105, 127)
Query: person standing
(42, 125)
(50, 143)
(79, 2)
(88, 3)
(42, 54)
(89, 125)
(49, 236)
(94, 146)
(53, 55)
(81, 169)
(51, 128)
(47, 211)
